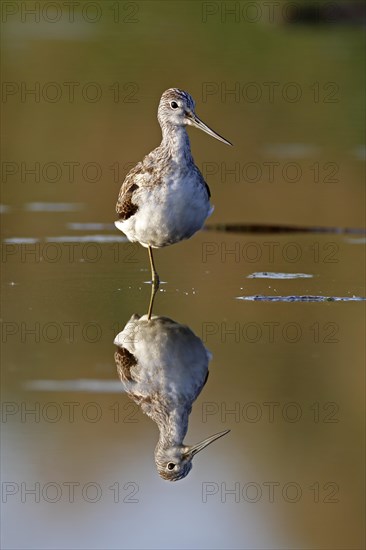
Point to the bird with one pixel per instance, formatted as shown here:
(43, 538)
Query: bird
(163, 367)
(164, 198)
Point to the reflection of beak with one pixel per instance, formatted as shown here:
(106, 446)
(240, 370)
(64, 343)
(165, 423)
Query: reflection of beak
(197, 122)
(191, 451)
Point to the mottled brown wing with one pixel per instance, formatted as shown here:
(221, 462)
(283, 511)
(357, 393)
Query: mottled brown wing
(125, 207)
(140, 176)
(124, 362)
(203, 182)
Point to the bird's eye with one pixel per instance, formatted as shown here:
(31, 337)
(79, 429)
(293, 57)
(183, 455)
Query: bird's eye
(174, 105)
(170, 465)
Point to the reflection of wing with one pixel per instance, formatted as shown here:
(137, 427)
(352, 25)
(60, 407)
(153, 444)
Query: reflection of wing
(161, 364)
(124, 363)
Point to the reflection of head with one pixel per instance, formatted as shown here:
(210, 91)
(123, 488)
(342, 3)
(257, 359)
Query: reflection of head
(174, 463)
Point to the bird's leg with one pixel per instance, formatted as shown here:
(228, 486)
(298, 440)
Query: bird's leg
(155, 283)
(154, 274)
(154, 290)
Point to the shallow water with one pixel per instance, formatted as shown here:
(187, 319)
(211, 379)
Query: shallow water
(285, 378)
(279, 311)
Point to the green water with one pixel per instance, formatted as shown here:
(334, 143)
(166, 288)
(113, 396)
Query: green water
(286, 378)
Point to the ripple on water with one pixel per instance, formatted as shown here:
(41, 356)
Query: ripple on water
(87, 239)
(361, 240)
(75, 226)
(69, 239)
(272, 275)
(21, 240)
(53, 206)
(80, 385)
(261, 298)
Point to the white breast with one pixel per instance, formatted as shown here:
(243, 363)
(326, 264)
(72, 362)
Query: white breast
(169, 212)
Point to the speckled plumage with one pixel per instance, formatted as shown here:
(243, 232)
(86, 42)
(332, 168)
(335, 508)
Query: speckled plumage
(163, 367)
(164, 198)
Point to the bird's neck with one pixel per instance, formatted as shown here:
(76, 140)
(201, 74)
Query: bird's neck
(173, 428)
(175, 143)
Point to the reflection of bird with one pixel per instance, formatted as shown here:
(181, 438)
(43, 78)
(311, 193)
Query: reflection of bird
(164, 198)
(163, 367)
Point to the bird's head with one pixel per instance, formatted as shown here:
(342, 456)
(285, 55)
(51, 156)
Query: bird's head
(174, 463)
(177, 108)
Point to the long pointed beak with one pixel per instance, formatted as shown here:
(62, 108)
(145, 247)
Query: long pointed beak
(193, 120)
(197, 448)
